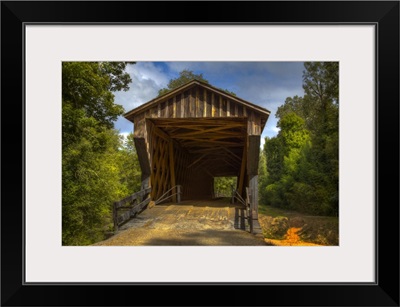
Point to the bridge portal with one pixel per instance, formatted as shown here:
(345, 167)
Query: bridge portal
(195, 133)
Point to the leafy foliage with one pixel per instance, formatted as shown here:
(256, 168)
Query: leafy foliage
(223, 186)
(89, 85)
(184, 77)
(95, 163)
(303, 159)
(130, 174)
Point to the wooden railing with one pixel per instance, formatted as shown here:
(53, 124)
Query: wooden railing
(170, 193)
(126, 208)
(247, 206)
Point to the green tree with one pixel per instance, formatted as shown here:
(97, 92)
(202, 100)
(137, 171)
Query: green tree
(262, 177)
(223, 185)
(288, 145)
(273, 151)
(90, 183)
(130, 168)
(184, 77)
(89, 86)
(91, 159)
(302, 160)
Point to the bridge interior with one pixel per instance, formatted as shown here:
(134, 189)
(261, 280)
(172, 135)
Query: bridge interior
(202, 149)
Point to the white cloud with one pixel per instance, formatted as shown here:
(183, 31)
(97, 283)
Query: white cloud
(124, 135)
(147, 79)
(262, 142)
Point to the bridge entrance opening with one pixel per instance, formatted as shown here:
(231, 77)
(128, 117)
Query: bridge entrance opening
(191, 153)
(194, 134)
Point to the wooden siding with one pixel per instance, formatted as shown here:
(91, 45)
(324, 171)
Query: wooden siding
(198, 102)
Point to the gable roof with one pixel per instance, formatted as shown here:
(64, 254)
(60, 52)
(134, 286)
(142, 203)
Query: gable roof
(150, 104)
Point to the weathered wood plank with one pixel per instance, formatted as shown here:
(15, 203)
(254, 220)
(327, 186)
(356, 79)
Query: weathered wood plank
(224, 105)
(204, 103)
(253, 154)
(257, 124)
(183, 105)
(199, 103)
(174, 107)
(139, 125)
(172, 168)
(241, 180)
(250, 123)
(240, 111)
(253, 186)
(178, 101)
(207, 98)
(143, 156)
(193, 102)
(214, 108)
(220, 106)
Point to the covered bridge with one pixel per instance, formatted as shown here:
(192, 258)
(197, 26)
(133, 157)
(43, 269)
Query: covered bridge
(195, 133)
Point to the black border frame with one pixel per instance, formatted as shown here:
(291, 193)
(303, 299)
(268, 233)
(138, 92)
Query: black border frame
(383, 14)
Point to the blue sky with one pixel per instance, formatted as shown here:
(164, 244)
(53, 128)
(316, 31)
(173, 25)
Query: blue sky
(266, 84)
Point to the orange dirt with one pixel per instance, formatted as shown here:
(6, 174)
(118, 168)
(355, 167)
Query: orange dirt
(291, 239)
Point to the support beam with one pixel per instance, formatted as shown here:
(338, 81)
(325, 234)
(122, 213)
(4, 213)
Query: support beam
(253, 154)
(242, 171)
(253, 185)
(252, 170)
(144, 161)
(197, 160)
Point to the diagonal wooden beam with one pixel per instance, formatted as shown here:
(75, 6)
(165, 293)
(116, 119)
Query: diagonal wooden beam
(197, 160)
(232, 153)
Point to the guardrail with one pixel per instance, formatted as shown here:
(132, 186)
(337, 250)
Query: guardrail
(165, 196)
(136, 202)
(246, 203)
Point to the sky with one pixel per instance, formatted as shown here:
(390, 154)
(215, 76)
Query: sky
(266, 84)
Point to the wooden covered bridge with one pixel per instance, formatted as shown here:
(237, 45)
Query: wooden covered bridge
(194, 133)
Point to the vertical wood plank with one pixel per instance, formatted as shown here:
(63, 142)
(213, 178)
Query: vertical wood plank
(197, 104)
(242, 169)
(213, 109)
(240, 111)
(209, 104)
(257, 124)
(228, 108)
(174, 108)
(220, 106)
(183, 105)
(224, 110)
(205, 103)
(250, 123)
(172, 169)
